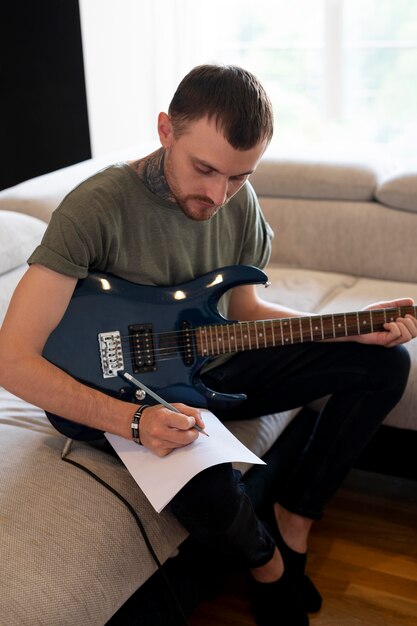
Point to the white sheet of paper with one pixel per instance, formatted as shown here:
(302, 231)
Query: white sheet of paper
(160, 478)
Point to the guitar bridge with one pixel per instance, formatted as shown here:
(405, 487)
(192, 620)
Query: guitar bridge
(111, 354)
(141, 340)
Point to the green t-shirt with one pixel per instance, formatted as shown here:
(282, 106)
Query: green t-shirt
(113, 223)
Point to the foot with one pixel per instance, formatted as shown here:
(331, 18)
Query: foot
(295, 563)
(276, 603)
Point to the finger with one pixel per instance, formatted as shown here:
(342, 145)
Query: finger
(388, 304)
(398, 333)
(200, 422)
(411, 323)
(193, 415)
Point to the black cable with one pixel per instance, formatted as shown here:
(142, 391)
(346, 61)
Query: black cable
(141, 528)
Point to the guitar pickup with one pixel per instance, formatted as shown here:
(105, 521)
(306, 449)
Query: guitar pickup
(186, 343)
(142, 346)
(111, 354)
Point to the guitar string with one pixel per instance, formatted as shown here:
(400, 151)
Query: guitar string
(219, 344)
(278, 321)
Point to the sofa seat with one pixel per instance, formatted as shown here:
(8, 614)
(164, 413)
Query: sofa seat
(62, 529)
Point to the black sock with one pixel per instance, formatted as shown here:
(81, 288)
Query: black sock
(277, 603)
(294, 564)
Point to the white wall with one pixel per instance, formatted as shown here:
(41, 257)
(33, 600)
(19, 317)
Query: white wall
(135, 53)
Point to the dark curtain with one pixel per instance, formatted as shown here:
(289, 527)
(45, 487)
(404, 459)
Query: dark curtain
(43, 106)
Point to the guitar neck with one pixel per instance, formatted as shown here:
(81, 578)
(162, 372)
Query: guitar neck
(217, 339)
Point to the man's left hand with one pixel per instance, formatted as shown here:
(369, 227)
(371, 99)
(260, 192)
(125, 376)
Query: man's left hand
(401, 331)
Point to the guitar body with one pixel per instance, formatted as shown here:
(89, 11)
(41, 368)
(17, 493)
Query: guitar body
(112, 326)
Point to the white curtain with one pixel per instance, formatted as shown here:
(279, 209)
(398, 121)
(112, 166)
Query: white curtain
(135, 53)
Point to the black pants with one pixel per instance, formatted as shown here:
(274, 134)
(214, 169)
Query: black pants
(364, 383)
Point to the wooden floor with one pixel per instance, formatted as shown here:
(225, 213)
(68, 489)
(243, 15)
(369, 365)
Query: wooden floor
(362, 557)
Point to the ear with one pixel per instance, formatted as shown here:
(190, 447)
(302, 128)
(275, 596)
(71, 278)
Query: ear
(165, 130)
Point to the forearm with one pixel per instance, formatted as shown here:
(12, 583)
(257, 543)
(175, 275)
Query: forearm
(39, 382)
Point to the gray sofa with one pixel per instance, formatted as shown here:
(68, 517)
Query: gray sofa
(72, 553)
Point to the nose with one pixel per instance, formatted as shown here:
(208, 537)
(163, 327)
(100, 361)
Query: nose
(217, 190)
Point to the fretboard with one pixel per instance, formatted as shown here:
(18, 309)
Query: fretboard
(217, 339)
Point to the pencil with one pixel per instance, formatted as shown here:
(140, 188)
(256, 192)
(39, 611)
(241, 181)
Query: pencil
(155, 396)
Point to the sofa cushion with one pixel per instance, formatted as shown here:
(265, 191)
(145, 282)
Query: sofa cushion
(399, 192)
(19, 235)
(360, 238)
(361, 293)
(302, 289)
(321, 181)
(8, 282)
(41, 195)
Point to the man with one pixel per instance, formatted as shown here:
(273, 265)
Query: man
(172, 216)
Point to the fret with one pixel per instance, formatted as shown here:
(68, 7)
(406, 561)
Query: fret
(358, 324)
(234, 336)
(211, 339)
(272, 332)
(311, 328)
(263, 334)
(325, 328)
(339, 325)
(364, 322)
(305, 329)
(203, 338)
(221, 339)
(246, 336)
(248, 330)
(284, 331)
(281, 334)
(317, 332)
(216, 330)
(295, 329)
(333, 327)
(260, 335)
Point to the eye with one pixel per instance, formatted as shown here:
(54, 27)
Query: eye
(204, 171)
(239, 179)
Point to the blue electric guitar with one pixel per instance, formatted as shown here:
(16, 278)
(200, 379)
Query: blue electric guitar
(164, 336)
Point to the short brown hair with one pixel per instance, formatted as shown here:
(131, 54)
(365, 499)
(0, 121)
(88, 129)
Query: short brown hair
(229, 94)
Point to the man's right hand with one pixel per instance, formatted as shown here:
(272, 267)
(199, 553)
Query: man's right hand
(162, 430)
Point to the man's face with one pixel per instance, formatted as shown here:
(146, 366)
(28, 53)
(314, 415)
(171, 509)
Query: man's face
(202, 169)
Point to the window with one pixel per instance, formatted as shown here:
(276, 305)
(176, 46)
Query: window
(342, 74)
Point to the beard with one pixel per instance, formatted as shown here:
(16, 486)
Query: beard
(194, 206)
(198, 208)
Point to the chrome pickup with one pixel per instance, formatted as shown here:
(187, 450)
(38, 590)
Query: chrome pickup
(111, 354)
